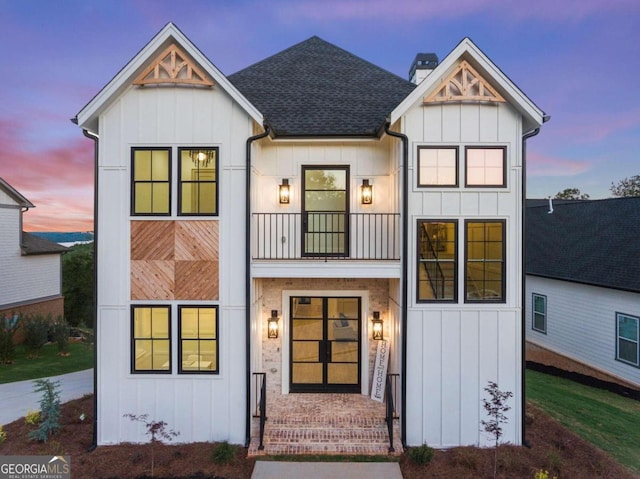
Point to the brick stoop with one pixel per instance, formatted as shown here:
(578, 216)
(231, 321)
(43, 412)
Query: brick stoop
(325, 424)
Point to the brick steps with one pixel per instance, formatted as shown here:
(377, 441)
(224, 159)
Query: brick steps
(325, 424)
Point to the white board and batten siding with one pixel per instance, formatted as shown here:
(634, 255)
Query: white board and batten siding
(200, 407)
(455, 349)
(581, 323)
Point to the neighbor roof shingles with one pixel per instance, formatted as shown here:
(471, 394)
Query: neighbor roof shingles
(317, 89)
(593, 242)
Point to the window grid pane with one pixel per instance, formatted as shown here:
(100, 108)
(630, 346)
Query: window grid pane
(151, 339)
(628, 332)
(437, 166)
(198, 181)
(151, 186)
(484, 268)
(437, 262)
(539, 313)
(485, 166)
(198, 340)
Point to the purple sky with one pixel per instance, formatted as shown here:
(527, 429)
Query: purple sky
(578, 60)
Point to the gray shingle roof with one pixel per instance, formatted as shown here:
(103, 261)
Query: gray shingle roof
(594, 242)
(32, 244)
(317, 89)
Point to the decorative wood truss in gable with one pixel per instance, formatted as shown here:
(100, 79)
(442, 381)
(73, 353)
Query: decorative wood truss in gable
(173, 66)
(464, 84)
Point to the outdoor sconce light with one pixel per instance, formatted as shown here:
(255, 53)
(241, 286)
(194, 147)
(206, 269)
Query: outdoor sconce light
(272, 328)
(377, 326)
(284, 192)
(366, 193)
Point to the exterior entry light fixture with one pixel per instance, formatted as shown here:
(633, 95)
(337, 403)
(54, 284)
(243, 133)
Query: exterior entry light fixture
(366, 193)
(377, 326)
(272, 322)
(284, 192)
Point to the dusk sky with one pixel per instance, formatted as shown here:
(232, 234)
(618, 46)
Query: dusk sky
(578, 60)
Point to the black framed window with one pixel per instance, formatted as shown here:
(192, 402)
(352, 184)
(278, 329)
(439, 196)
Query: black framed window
(151, 339)
(539, 313)
(151, 181)
(485, 261)
(198, 181)
(198, 343)
(437, 260)
(628, 339)
(485, 166)
(437, 166)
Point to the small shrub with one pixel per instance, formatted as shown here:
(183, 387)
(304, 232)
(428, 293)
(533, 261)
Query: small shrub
(542, 474)
(32, 418)
(49, 409)
(496, 407)
(156, 430)
(36, 330)
(8, 327)
(223, 453)
(421, 455)
(59, 331)
(3, 435)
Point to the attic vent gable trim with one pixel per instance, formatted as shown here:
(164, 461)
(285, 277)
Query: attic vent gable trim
(173, 66)
(464, 84)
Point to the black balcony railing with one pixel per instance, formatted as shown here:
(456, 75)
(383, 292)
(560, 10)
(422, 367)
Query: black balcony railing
(326, 235)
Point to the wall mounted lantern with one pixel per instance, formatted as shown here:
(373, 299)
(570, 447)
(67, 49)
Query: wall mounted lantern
(376, 326)
(272, 325)
(366, 193)
(284, 192)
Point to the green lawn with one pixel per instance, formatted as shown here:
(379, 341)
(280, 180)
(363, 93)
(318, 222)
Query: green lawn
(609, 421)
(48, 364)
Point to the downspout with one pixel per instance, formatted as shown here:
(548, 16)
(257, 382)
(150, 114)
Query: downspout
(247, 292)
(523, 398)
(404, 268)
(96, 141)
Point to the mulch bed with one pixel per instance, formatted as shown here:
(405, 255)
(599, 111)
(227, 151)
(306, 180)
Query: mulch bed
(553, 448)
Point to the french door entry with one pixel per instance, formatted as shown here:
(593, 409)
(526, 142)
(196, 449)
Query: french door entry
(325, 344)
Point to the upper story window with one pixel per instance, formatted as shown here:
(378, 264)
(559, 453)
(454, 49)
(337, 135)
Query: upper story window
(151, 181)
(437, 166)
(484, 261)
(628, 339)
(539, 313)
(485, 166)
(151, 338)
(198, 181)
(437, 260)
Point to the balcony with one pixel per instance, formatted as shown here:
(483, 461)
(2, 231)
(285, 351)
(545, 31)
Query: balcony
(326, 236)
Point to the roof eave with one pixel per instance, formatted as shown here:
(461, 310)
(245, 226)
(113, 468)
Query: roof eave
(15, 194)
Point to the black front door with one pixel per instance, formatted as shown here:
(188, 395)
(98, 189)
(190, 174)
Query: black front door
(325, 344)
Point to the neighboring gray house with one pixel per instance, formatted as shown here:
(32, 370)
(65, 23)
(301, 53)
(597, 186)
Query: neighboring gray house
(30, 267)
(583, 283)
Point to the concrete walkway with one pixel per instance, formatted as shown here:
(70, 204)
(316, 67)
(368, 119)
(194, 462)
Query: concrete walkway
(17, 398)
(326, 470)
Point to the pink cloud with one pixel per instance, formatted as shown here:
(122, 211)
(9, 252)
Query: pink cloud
(540, 165)
(593, 128)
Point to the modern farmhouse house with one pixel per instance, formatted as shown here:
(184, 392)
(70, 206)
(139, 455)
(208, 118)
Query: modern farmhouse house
(583, 285)
(31, 276)
(284, 242)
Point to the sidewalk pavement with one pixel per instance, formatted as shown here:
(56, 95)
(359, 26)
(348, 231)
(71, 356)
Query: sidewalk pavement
(326, 470)
(17, 398)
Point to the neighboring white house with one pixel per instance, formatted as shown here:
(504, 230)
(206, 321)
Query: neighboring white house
(583, 283)
(320, 194)
(30, 267)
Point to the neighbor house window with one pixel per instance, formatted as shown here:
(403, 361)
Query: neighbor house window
(628, 339)
(539, 308)
(485, 166)
(198, 181)
(151, 339)
(151, 184)
(484, 261)
(198, 346)
(437, 166)
(437, 263)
